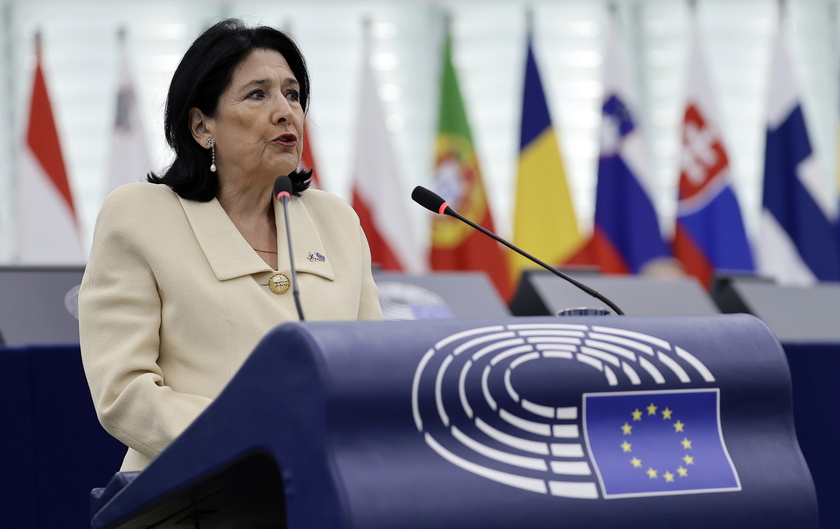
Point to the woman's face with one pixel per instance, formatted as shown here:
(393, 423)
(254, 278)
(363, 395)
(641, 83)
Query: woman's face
(258, 127)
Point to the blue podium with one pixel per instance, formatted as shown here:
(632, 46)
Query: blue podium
(540, 422)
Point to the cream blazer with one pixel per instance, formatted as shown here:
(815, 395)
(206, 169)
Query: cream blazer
(174, 299)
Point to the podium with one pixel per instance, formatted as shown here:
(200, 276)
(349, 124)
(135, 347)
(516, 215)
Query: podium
(543, 293)
(796, 314)
(538, 422)
(39, 304)
(438, 295)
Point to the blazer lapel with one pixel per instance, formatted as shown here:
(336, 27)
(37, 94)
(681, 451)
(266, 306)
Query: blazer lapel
(225, 249)
(229, 254)
(310, 255)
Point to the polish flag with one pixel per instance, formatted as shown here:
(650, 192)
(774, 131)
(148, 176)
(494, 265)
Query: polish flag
(378, 197)
(48, 230)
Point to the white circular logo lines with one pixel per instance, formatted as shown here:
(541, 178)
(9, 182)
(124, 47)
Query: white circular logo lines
(491, 400)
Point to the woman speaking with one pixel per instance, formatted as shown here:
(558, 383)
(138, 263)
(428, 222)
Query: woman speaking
(187, 272)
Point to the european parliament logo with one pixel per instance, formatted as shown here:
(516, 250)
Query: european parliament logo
(574, 411)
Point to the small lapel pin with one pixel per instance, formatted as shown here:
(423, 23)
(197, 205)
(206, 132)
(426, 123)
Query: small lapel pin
(315, 256)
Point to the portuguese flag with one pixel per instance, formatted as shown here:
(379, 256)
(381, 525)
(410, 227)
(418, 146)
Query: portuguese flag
(456, 246)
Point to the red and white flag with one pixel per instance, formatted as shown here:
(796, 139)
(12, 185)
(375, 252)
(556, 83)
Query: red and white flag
(48, 230)
(129, 158)
(378, 197)
(307, 158)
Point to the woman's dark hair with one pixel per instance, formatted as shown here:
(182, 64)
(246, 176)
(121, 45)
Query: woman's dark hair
(201, 77)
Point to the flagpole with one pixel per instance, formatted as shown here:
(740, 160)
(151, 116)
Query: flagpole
(529, 20)
(10, 137)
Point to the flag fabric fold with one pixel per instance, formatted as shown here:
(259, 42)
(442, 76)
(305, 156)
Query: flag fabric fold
(377, 195)
(709, 234)
(456, 246)
(626, 237)
(48, 230)
(307, 158)
(129, 158)
(797, 240)
(544, 224)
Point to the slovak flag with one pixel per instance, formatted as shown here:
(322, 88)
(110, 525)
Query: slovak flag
(626, 238)
(798, 245)
(378, 197)
(47, 228)
(710, 233)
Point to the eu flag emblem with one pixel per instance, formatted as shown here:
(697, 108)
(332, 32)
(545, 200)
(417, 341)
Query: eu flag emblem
(658, 442)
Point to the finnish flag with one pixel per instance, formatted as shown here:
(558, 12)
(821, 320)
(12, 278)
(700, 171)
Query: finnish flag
(797, 242)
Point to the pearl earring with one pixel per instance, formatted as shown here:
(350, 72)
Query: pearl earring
(212, 145)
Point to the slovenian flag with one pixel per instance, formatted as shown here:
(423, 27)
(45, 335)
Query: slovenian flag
(626, 237)
(378, 197)
(798, 244)
(709, 233)
(544, 216)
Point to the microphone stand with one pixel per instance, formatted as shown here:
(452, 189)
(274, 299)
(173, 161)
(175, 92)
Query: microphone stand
(592, 292)
(295, 292)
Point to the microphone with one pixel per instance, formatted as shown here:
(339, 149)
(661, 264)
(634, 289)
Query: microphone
(434, 203)
(283, 192)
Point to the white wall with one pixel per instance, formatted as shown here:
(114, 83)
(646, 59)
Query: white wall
(80, 61)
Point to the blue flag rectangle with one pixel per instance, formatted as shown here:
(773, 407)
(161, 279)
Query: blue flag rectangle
(658, 442)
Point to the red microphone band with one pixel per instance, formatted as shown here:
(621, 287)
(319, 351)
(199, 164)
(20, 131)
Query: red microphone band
(282, 194)
(443, 208)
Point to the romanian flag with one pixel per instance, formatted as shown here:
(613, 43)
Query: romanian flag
(709, 233)
(455, 245)
(544, 222)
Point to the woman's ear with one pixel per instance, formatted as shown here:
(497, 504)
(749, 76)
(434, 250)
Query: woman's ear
(201, 126)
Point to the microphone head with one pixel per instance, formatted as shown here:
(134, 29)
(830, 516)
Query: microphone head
(429, 200)
(283, 186)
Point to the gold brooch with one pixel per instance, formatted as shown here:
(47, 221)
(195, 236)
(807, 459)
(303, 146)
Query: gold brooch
(279, 283)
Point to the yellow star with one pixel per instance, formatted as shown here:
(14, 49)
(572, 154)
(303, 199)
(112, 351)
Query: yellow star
(666, 413)
(682, 472)
(688, 460)
(669, 478)
(637, 415)
(686, 443)
(651, 473)
(651, 409)
(678, 426)
(627, 429)
(637, 463)
(625, 446)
